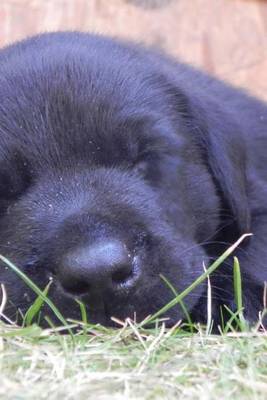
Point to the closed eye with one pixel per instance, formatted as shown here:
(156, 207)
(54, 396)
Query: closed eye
(141, 167)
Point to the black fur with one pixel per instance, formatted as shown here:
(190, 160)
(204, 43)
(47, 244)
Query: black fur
(102, 139)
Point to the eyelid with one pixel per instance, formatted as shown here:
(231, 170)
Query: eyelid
(141, 166)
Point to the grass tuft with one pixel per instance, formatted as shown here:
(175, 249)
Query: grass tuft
(42, 296)
(179, 298)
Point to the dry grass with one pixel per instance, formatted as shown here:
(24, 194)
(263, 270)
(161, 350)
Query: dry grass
(131, 363)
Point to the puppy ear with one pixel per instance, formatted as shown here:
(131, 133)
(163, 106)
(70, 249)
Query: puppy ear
(215, 130)
(223, 147)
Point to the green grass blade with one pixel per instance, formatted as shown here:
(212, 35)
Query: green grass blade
(35, 308)
(183, 307)
(197, 282)
(36, 289)
(238, 293)
(234, 323)
(83, 311)
(237, 284)
(32, 331)
(83, 315)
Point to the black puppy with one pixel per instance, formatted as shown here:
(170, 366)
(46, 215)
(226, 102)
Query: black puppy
(117, 166)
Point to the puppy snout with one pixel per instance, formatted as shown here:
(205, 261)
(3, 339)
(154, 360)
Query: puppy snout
(106, 265)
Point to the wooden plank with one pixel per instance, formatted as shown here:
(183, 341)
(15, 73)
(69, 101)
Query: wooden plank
(225, 37)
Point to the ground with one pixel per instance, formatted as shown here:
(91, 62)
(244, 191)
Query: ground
(132, 364)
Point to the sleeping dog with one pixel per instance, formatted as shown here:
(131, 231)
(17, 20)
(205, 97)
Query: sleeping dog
(120, 166)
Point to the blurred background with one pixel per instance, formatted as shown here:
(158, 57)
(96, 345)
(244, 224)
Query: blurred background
(227, 38)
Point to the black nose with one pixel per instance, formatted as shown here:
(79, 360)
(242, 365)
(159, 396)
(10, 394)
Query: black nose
(103, 265)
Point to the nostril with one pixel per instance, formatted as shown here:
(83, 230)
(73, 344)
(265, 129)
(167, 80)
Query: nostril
(121, 276)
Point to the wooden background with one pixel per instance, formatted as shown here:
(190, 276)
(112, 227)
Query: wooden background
(225, 37)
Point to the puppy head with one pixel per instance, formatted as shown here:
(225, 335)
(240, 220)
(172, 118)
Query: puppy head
(105, 185)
